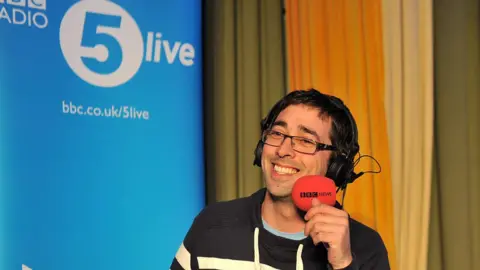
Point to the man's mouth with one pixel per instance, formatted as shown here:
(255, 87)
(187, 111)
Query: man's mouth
(284, 170)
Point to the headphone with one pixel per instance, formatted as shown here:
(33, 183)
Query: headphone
(341, 165)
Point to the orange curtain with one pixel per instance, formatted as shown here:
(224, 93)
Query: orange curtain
(336, 47)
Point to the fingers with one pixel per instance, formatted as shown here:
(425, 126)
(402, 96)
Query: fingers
(325, 220)
(327, 233)
(318, 208)
(312, 228)
(323, 237)
(325, 224)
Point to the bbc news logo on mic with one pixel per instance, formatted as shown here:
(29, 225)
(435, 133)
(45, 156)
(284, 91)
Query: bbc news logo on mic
(314, 194)
(104, 46)
(30, 13)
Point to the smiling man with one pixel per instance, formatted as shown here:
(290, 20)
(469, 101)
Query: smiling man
(305, 133)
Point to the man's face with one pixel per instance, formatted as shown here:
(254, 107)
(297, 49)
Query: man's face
(281, 165)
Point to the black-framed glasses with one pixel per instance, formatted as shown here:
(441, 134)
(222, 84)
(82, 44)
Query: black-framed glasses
(299, 144)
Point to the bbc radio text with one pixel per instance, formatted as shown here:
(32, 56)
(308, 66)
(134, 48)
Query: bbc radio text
(119, 112)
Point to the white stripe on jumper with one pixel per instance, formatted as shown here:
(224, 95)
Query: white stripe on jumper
(183, 257)
(218, 263)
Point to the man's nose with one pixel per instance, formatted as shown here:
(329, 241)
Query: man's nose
(286, 148)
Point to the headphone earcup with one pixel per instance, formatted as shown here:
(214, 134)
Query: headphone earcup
(258, 154)
(340, 170)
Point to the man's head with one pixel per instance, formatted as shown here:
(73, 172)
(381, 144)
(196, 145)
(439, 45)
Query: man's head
(322, 130)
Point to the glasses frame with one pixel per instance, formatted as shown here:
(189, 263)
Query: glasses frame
(319, 146)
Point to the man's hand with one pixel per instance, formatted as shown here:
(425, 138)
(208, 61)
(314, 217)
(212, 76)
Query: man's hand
(330, 225)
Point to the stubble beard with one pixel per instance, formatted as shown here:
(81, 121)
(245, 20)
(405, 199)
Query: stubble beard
(282, 196)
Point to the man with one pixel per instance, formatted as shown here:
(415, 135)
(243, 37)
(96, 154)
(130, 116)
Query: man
(305, 133)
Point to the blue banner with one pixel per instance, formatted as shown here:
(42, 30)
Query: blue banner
(101, 133)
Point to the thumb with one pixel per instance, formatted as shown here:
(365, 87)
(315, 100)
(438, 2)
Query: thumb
(315, 202)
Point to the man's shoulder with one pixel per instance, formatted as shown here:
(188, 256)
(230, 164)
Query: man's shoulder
(226, 213)
(367, 244)
(226, 207)
(361, 230)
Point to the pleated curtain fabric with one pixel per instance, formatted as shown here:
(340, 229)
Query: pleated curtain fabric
(336, 46)
(454, 241)
(244, 77)
(409, 99)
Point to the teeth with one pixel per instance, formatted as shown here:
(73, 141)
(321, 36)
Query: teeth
(283, 170)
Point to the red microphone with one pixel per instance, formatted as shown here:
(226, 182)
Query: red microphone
(313, 186)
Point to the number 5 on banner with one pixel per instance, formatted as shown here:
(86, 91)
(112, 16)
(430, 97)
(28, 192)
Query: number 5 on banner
(99, 35)
(24, 267)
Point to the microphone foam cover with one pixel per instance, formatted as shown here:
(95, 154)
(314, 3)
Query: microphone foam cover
(313, 186)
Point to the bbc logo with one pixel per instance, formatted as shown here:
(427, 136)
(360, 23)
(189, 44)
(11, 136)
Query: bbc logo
(36, 4)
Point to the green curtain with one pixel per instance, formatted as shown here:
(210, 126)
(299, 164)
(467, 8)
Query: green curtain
(244, 75)
(455, 215)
